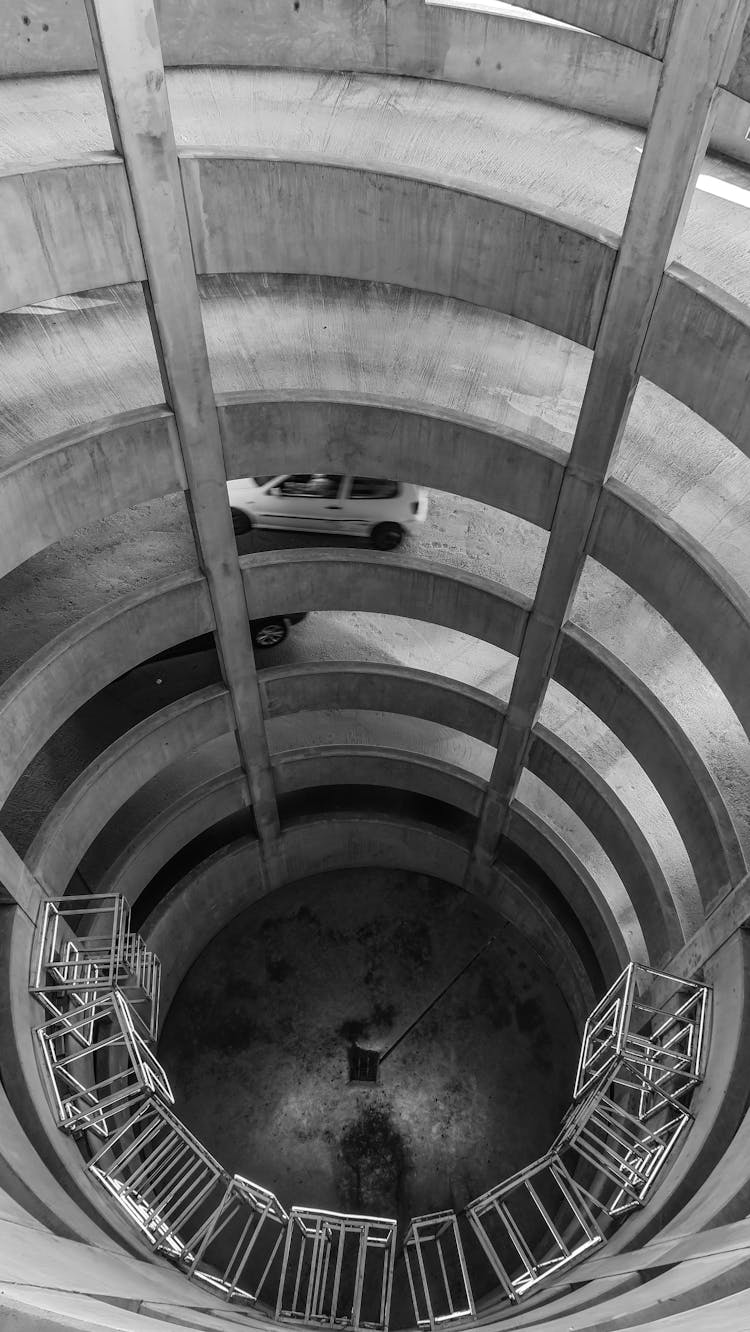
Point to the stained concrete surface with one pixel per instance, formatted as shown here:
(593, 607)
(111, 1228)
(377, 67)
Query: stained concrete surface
(257, 1044)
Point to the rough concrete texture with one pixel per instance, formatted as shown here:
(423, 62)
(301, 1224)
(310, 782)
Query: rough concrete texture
(256, 1045)
(550, 157)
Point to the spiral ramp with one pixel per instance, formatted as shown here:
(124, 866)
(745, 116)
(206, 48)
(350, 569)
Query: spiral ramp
(498, 252)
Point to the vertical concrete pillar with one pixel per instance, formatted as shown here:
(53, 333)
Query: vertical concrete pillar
(702, 37)
(18, 887)
(126, 41)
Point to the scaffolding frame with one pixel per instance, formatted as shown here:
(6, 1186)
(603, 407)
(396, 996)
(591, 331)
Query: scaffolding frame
(662, 1044)
(565, 1238)
(627, 1147)
(72, 965)
(333, 1294)
(161, 1176)
(432, 1231)
(74, 1046)
(252, 1210)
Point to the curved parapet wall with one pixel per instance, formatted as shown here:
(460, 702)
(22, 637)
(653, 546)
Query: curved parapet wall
(612, 71)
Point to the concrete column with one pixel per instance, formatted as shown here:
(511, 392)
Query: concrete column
(18, 887)
(702, 35)
(126, 40)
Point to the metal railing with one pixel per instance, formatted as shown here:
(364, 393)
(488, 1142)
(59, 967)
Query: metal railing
(641, 1058)
(661, 1045)
(337, 1269)
(534, 1224)
(247, 1227)
(98, 1064)
(86, 947)
(436, 1270)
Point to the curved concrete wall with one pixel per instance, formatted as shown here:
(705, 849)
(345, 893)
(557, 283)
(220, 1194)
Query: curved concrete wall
(83, 475)
(285, 581)
(613, 692)
(117, 774)
(227, 882)
(680, 580)
(448, 450)
(60, 678)
(698, 349)
(66, 228)
(305, 216)
(460, 257)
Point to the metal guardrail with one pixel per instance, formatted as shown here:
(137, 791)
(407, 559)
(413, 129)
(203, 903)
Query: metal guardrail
(337, 1269)
(436, 1270)
(533, 1225)
(86, 947)
(98, 1064)
(640, 1060)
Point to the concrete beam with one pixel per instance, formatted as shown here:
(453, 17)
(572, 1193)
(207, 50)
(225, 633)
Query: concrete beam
(731, 914)
(18, 886)
(699, 38)
(126, 41)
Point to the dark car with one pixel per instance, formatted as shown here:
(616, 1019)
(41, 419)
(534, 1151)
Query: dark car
(266, 633)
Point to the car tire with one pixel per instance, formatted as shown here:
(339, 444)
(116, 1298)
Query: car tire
(240, 522)
(269, 633)
(387, 536)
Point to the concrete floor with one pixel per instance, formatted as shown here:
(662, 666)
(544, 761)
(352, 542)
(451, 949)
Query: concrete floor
(256, 1045)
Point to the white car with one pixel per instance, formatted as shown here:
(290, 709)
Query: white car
(321, 502)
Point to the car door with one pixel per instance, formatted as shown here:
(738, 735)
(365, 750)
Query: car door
(305, 502)
(367, 501)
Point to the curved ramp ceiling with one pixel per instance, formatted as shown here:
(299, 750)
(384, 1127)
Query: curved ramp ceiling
(499, 252)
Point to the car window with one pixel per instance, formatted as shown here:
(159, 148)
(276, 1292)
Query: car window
(263, 480)
(315, 485)
(373, 487)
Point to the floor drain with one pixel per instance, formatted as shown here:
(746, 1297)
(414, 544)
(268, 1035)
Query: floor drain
(363, 1064)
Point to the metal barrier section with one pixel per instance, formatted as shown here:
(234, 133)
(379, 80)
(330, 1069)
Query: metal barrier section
(86, 947)
(162, 1177)
(236, 1250)
(98, 1065)
(642, 1055)
(660, 1047)
(627, 1148)
(436, 1270)
(337, 1269)
(533, 1225)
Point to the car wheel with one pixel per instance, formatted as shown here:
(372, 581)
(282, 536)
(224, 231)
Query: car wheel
(386, 536)
(240, 522)
(269, 633)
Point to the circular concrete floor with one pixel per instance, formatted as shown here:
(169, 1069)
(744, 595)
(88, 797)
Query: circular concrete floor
(257, 1046)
